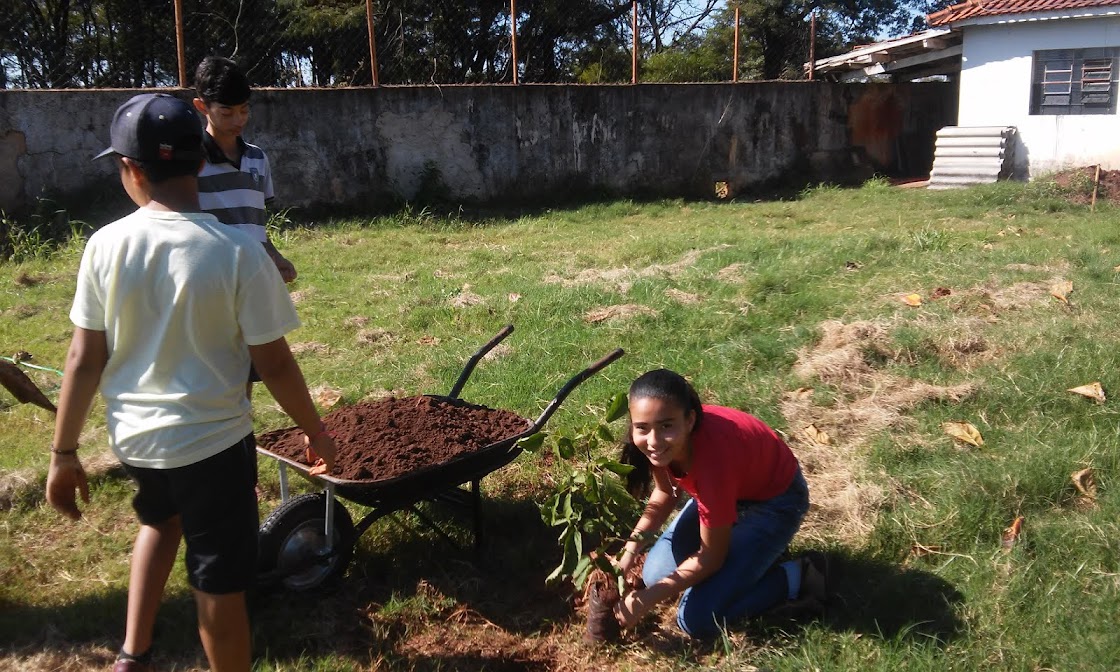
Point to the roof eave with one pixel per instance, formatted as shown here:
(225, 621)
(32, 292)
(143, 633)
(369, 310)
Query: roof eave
(1026, 17)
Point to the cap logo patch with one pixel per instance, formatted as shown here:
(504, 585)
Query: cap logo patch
(165, 151)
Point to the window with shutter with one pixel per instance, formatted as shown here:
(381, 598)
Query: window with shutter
(1074, 81)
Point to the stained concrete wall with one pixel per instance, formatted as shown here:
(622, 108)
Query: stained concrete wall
(363, 147)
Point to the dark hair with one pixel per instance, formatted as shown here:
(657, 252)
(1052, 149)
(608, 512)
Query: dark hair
(220, 80)
(657, 384)
(161, 171)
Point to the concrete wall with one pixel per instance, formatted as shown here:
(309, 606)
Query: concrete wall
(364, 147)
(996, 91)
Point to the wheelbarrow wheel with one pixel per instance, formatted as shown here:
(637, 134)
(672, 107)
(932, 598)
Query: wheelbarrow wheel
(292, 544)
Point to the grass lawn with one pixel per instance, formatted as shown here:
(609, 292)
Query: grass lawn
(793, 310)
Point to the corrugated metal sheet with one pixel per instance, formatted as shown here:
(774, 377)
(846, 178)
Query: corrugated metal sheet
(966, 155)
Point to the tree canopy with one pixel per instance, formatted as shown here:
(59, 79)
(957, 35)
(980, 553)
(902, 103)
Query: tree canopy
(131, 43)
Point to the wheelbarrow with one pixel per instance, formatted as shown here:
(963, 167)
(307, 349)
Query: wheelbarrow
(309, 540)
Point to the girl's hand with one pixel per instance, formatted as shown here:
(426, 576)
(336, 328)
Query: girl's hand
(631, 609)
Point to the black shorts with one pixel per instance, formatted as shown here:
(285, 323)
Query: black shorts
(216, 502)
(254, 377)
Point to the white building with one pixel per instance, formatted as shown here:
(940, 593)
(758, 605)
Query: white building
(1046, 67)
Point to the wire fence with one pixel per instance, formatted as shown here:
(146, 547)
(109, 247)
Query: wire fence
(53, 44)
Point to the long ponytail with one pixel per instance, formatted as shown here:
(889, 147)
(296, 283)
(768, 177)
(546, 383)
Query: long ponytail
(657, 384)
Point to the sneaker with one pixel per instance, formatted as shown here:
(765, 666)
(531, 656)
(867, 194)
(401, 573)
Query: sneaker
(814, 577)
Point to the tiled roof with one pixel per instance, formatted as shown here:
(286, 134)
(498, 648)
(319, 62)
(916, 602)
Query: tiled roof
(977, 8)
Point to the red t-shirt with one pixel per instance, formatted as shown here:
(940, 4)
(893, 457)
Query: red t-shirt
(735, 456)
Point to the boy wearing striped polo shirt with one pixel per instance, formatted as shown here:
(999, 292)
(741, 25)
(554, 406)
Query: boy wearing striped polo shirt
(235, 183)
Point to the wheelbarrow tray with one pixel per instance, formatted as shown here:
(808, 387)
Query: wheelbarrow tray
(427, 482)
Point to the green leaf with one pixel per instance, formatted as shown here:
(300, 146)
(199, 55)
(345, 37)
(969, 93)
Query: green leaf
(565, 449)
(593, 491)
(617, 408)
(605, 433)
(583, 568)
(567, 506)
(532, 443)
(618, 467)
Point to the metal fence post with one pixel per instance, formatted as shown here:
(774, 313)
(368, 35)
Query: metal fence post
(513, 35)
(180, 48)
(372, 43)
(634, 49)
(812, 44)
(735, 59)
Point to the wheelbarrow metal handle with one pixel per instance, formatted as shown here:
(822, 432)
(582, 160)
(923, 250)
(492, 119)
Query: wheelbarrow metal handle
(572, 384)
(475, 358)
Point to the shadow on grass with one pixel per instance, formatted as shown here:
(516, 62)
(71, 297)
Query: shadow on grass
(413, 600)
(889, 602)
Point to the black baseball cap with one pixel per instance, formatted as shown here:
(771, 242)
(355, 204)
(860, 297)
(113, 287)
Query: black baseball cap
(155, 127)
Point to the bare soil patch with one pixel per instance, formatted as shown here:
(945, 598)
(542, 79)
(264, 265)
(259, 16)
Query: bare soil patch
(1078, 184)
(384, 439)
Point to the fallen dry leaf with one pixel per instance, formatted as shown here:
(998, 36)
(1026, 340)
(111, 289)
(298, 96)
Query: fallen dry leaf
(1085, 482)
(816, 436)
(1011, 534)
(514, 297)
(326, 396)
(1092, 390)
(800, 393)
(964, 431)
(913, 300)
(428, 340)
(1116, 269)
(940, 292)
(1061, 290)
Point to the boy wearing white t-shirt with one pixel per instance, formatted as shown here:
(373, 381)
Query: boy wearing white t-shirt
(171, 306)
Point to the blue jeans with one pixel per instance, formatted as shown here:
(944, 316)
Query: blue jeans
(749, 582)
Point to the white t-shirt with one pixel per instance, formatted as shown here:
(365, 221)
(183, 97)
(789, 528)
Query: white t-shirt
(180, 297)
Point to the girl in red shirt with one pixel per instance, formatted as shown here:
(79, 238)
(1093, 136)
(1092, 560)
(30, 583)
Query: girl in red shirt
(748, 497)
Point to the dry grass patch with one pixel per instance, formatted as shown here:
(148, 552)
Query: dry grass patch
(681, 297)
(619, 312)
(310, 348)
(465, 297)
(869, 400)
(22, 311)
(301, 294)
(733, 273)
(25, 279)
(623, 277)
(357, 321)
(376, 336)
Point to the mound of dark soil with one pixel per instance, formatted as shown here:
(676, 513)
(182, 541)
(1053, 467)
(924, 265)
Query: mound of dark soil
(384, 439)
(1078, 182)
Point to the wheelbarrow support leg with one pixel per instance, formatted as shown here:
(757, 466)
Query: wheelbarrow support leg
(476, 509)
(329, 518)
(283, 481)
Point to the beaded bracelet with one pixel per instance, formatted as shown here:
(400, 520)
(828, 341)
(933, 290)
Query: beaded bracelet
(72, 451)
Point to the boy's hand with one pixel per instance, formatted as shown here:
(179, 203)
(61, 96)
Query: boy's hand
(66, 476)
(321, 453)
(286, 268)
